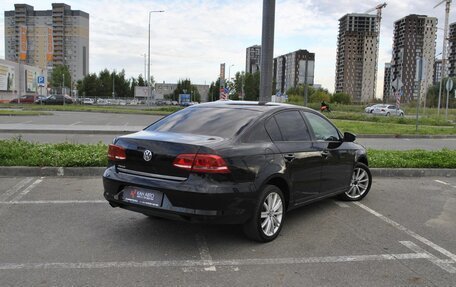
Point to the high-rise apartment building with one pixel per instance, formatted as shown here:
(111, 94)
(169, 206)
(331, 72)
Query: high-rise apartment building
(387, 82)
(292, 69)
(48, 38)
(252, 59)
(357, 51)
(414, 37)
(451, 65)
(437, 71)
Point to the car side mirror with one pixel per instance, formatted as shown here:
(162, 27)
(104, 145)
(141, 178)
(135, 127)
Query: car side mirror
(349, 137)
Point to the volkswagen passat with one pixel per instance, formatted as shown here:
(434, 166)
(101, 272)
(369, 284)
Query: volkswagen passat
(235, 162)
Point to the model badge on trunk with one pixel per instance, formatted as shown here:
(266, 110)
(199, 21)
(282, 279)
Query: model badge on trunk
(147, 155)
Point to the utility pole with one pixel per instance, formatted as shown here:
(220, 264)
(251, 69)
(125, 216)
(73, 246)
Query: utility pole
(445, 36)
(267, 50)
(113, 92)
(63, 85)
(305, 84)
(148, 52)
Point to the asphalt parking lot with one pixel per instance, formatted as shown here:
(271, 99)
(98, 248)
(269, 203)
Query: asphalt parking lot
(58, 231)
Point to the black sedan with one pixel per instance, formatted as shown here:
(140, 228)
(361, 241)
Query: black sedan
(55, 100)
(235, 162)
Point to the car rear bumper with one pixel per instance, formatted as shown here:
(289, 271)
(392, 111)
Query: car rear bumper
(192, 200)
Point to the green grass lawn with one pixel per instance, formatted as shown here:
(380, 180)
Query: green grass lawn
(164, 110)
(380, 128)
(16, 152)
(23, 113)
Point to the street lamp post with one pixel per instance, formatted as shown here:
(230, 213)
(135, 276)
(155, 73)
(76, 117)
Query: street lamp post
(229, 72)
(148, 52)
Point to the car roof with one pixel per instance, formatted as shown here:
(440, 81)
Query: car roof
(250, 105)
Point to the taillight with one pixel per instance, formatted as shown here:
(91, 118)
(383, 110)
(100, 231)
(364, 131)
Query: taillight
(206, 163)
(184, 161)
(116, 152)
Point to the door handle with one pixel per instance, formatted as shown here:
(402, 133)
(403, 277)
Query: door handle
(325, 153)
(289, 157)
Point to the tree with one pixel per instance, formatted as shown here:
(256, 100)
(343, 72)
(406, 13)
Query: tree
(341, 98)
(186, 87)
(252, 86)
(214, 91)
(141, 82)
(89, 86)
(58, 72)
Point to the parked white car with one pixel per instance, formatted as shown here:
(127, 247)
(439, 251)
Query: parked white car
(88, 101)
(388, 110)
(370, 109)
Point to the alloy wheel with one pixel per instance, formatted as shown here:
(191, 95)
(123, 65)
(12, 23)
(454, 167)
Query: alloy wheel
(359, 183)
(271, 214)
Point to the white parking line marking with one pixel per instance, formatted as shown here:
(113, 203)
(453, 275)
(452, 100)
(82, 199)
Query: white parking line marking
(75, 123)
(408, 231)
(341, 204)
(441, 263)
(203, 263)
(16, 188)
(24, 202)
(442, 182)
(204, 252)
(445, 183)
(27, 122)
(27, 190)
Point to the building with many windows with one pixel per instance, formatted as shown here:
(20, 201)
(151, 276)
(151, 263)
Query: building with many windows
(437, 71)
(414, 37)
(293, 69)
(387, 82)
(252, 59)
(357, 51)
(47, 38)
(451, 65)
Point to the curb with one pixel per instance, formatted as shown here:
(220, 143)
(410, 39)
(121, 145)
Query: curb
(79, 132)
(367, 136)
(98, 171)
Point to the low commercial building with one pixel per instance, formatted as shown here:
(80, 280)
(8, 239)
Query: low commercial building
(163, 89)
(19, 79)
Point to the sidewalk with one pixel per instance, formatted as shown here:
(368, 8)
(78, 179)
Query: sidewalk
(124, 129)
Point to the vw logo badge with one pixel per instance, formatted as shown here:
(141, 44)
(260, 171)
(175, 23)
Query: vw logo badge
(147, 155)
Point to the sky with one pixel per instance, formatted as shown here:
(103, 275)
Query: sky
(191, 38)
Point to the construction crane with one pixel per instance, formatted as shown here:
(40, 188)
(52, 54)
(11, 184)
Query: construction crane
(444, 59)
(379, 8)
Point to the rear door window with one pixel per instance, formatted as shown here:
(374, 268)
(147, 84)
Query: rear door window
(273, 129)
(292, 126)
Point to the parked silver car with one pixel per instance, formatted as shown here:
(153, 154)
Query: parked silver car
(370, 109)
(388, 110)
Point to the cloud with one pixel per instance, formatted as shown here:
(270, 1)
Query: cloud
(193, 37)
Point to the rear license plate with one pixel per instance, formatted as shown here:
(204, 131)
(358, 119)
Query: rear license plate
(142, 196)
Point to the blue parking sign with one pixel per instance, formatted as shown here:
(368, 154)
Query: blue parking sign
(40, 81)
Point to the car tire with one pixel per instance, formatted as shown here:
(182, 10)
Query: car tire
(360, 183)
(387, 114)
(401, 115)
(268, 216)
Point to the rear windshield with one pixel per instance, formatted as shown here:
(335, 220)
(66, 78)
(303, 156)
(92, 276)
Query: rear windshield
(219, 122)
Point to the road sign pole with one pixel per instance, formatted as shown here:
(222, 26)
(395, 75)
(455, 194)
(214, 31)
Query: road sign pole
(449, 87)
(419, 76)
(446, 109)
